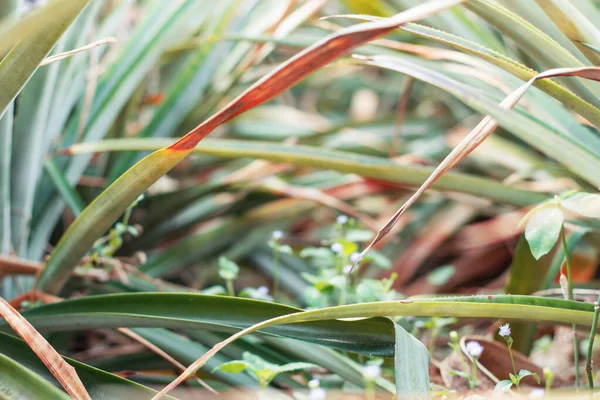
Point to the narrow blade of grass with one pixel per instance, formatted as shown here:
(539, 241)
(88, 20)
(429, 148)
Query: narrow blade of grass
(111, 203)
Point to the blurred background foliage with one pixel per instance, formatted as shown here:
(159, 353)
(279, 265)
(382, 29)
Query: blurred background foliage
(275, 204)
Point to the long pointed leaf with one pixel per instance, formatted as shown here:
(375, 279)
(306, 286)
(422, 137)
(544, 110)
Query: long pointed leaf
(20, 383)
(372, 167)
(582, 163)
(528, 308)
(106, 208)
(202, 312)
(27, 54)
(100, 384)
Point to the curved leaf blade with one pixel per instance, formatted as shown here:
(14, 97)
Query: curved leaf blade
(529, 308)
(100, 384)
(214, 313)
(24, 58)
(411, 366)
(106, 208)
(20, 383)
(367, 166)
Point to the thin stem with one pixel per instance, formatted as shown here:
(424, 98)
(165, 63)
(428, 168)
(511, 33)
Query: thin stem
(230, 289)
(588, 362)
(512, 361)
(370, 389)
(276, 270)
(473, 382)
(571, 297)
(435, 331)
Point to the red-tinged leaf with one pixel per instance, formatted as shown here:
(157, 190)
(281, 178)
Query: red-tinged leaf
(111, 203)
(63, 372)
(305, 63)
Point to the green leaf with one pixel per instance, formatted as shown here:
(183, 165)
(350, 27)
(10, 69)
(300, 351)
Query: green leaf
(574, 25)
(535, 43)
(233, 367)
(20, 383)
(586, 204)
(203, 312)
(112, 202)
(531, 308)
(503, 386)
(295, 366)
(526, 275)
(228, 270)
(573, 240)
(101, 385)
(6, 133)
(543, 230)
(411, 366)
(24, 58)
(368, 166)
(258, 363)
(523, 373)
(441, 275)
(186, 351)
(285, 249)
(573, 154)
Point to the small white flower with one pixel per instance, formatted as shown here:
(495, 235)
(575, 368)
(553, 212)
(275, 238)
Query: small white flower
(354, 257)
(277, 235)
(314, 383)
(337, 248)
(504, 330)
(347, 269)
(341, 219)
(537, 393)
(474, 349)
(317, 394)
(371, 371)
(262, 290)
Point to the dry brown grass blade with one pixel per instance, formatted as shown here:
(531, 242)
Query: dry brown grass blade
(60, 369)
(62, 56)
(474, 139)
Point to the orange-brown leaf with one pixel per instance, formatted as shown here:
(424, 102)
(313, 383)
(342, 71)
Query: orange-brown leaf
(62, 371)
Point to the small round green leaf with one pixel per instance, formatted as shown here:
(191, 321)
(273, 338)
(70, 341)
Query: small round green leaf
(233, 367)
(543, 230)
(228, 270)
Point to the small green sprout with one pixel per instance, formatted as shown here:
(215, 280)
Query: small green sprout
(229, 271)
(263, 371)
(515, 379)
(544, 223)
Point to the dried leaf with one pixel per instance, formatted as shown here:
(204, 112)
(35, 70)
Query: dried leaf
(63, 372)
